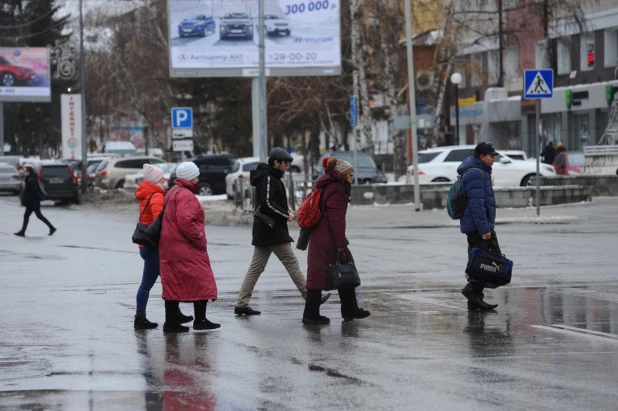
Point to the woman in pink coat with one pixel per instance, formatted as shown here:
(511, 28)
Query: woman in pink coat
(186, 274)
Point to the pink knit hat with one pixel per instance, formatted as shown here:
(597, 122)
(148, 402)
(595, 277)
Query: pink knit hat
(152, 174)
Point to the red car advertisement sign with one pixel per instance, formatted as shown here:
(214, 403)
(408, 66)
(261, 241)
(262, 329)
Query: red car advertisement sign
(24, 74)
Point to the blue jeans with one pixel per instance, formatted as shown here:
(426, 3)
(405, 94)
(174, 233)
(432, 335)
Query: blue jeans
(149, 277)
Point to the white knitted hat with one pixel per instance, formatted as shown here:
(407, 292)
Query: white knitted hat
(187, 171)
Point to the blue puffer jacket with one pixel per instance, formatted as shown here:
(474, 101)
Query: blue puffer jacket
(480, 215)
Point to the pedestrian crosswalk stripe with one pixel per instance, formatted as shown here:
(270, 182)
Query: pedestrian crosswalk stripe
(538, 86)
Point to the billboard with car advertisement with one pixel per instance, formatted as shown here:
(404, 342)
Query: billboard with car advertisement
(219, 38)
(24, 74)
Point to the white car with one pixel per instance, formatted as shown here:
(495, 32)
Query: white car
(275, 25)
(298, 163)
(132, 181)
(440, 165)
(240, 170)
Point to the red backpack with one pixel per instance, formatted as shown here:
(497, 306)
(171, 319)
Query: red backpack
(309, 214)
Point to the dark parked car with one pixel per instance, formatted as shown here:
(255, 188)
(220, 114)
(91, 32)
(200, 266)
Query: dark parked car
(236, 25)
(198, 25)
(11, 75)
(213, 169)
(366, 172)
(59, 181)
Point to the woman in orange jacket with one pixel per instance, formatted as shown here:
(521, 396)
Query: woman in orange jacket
(150, 194)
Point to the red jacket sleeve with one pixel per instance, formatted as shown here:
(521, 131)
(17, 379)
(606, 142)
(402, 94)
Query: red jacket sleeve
(336, 207)
(156, 205)
(189, 223)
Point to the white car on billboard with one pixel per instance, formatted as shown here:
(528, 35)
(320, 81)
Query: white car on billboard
(439, 165)
(275, 25)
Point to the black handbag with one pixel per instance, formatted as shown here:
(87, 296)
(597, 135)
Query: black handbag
(139, 235)
(149, 235)
(343, 275)
(266, 220)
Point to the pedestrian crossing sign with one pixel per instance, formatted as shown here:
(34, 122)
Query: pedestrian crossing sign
(538, 84)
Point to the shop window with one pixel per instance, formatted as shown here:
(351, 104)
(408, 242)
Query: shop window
(476, 69)
(587, 53)
(581, 132)
(493, 67)
(564, 56)
(611, 47)
(512, 63)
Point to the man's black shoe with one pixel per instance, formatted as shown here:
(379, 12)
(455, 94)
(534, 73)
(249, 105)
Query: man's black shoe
(142, 323)
(20, 234)
(483, 307)
(246, 311)
(487, 306)
(52, 230)
(324, 298)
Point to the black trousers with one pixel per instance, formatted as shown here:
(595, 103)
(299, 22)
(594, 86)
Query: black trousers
(37, 211)
(475, 240)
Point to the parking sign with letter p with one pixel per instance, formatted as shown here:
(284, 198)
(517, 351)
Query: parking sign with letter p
(182, 117)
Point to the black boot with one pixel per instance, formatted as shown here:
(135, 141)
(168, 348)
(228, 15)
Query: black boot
(20, 234)
(312, 309)
(142, 323)
(349, 306)
(52, 230)
(246, 311)
(171, 319)
(473, 291)
(183, 319)
(201, 323)
(488, 306)
(324, 298)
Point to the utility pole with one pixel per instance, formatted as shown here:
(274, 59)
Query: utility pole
(82, 60)
(263, 136)
(412, 105)
(500, 44)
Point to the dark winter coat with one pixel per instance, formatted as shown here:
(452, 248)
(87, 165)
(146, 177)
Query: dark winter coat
(186, 274)
(329, 234)
(548, 154)
(32, 193)
(272, 200)
(480, 215)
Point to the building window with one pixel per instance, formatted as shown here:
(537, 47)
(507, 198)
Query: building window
(587, 53)
(509, 4)
(564, 55)
(476, 69)
(541, 55)
(512, 63)
(581, 132)
(493, 67)
(611, 47)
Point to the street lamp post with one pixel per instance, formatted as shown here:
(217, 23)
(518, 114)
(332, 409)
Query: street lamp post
(456, 80)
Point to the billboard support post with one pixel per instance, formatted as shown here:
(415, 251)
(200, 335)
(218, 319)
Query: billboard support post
(263, 134)
(1, 128)
(82, 63)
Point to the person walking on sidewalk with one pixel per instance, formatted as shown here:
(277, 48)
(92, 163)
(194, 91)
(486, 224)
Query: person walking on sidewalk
(150, 194)
(32, 201)
(271, 204)
(327, 239)
(480, 214)
(186, 274)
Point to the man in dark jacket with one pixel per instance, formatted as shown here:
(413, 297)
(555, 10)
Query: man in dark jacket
(270, 228)
(549, 154)
(480, 214)
(32, 201)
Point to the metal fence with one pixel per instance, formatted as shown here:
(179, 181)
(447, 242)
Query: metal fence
(297, 188)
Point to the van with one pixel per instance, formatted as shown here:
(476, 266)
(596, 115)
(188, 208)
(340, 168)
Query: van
(123, 148)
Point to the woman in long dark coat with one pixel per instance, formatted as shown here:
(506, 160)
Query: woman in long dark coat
(32, 201)
(327, 239)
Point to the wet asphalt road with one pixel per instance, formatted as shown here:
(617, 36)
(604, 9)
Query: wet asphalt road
(67, 305)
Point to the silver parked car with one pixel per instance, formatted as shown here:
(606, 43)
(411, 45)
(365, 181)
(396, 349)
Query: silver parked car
(9, 178)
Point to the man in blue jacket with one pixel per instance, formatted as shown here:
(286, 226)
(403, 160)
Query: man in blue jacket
(480, 215)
